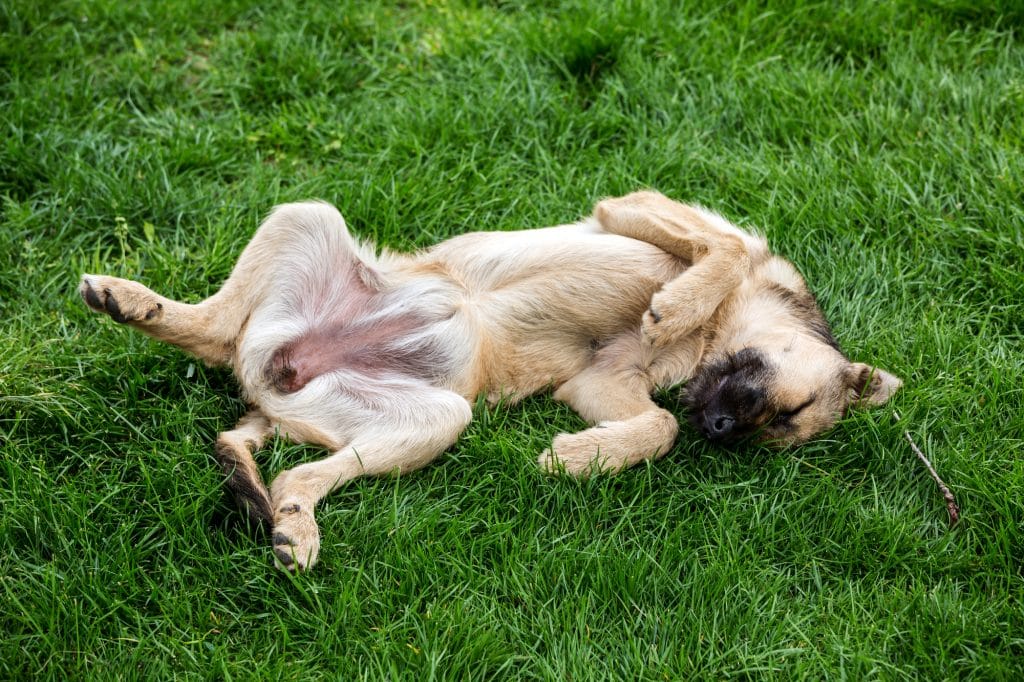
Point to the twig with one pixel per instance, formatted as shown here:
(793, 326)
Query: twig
(951, 506)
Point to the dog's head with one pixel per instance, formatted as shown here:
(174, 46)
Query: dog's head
(782, 398)
(782, 379)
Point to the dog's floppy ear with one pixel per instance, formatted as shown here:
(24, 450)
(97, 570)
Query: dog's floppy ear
(870, 386)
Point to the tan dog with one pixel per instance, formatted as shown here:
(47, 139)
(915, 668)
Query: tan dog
(377, 358)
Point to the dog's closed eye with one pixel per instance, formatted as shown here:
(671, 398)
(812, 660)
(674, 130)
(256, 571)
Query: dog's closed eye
(783, 417)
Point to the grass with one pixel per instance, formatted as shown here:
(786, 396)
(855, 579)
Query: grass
(878, 145)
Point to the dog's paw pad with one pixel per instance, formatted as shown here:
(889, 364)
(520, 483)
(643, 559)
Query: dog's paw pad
(651, 328)
(284, 551)
(670, 319)
(296, 539)
(123, 300)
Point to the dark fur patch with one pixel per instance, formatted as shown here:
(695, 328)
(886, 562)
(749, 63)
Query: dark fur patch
(733, 389)
(246, 486)
(806, 308)
(281, 373)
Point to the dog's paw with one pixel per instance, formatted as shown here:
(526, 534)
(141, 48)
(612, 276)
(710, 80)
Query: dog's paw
(659, 324)
(669, 319)
(651, 327)
(576, 454)
(296, 537)
(125, 301)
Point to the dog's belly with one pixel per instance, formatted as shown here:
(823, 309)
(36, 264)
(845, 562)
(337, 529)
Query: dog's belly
(508, 313)
(546, 299)
(374, 348)
(336, 325)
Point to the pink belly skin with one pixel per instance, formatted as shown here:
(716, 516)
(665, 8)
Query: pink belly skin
(374, 348)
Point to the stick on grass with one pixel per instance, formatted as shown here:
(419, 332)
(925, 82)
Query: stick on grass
(951, 506)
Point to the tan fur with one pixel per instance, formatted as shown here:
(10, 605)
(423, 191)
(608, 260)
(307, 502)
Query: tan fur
(645, 294)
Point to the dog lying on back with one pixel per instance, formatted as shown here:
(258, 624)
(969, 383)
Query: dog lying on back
(378, 358)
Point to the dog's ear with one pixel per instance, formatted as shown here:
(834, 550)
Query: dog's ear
(870, 386)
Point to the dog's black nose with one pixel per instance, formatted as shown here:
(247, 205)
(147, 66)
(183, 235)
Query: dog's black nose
(717, 426)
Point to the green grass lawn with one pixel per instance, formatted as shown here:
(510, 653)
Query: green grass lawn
(877, 144)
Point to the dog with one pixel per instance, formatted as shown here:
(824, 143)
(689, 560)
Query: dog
(377, 357)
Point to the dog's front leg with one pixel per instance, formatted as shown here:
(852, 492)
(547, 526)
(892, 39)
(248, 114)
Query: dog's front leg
(719, 253)
(612, 446)
(613, 394)
(422, 426)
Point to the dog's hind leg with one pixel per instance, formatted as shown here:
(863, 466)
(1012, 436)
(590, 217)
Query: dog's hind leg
(295, 240)
(191, 327)
(407, 432)
(721, 255)
(234, 454)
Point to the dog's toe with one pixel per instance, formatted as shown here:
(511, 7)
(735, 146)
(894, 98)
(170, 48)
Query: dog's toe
(296, 539)
(284, 552)
(113, 309)
(576, 454)
(89, 295)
